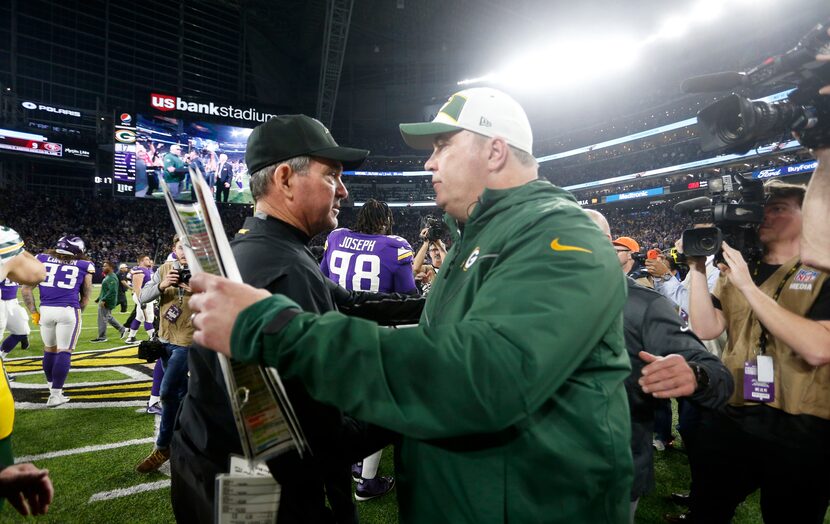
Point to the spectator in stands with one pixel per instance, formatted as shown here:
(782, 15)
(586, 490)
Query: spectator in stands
(773, 434)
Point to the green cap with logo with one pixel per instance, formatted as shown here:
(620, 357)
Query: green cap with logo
(289, 136)
(482, 110)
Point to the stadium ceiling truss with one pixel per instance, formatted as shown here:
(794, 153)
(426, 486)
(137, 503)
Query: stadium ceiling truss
(335, 37)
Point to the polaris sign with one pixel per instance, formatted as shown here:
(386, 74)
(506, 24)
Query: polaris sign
(176, 103)
(635, 194)
(56, 110)
(794, 169)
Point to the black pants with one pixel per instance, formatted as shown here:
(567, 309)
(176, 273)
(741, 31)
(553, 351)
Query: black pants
(222, 193)
(192, 493)
(732, 464)
(122, 301)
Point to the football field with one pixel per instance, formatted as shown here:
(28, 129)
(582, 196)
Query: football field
(92, 444)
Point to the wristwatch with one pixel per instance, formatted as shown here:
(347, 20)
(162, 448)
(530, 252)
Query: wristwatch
(701, 376)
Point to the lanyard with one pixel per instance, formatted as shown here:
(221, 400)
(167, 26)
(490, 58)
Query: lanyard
(762, 340)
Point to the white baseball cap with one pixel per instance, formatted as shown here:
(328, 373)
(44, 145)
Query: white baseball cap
(482, 110)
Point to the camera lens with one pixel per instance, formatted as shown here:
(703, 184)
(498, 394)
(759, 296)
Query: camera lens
(708, 243)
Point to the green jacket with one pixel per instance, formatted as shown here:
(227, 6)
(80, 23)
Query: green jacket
(109, 291)
(171, 160)
(509, 394)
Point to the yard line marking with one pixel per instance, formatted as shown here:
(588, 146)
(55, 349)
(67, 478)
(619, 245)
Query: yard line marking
(82, 405)
(124, 492)
(85, 449)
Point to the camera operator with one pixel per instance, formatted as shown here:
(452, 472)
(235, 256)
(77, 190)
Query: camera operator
(773, 434)
(425, 273)
(170, 283)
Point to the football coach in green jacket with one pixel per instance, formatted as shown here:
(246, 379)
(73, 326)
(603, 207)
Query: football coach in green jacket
(509, 393)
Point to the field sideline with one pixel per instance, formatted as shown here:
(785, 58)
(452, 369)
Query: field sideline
(92, 444)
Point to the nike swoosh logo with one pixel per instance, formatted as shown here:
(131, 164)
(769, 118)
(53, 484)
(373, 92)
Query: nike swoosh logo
(556, 246)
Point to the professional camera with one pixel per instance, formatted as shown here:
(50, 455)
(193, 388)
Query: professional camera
(736, 213)
(184, 275)
(736, 124)
(435, 228)
(151, 350)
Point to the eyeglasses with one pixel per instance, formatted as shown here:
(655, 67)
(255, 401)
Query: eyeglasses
(622, 250)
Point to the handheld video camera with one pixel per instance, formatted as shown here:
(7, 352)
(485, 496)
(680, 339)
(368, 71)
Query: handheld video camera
(736, 124)
(435, 228)
(736, 208)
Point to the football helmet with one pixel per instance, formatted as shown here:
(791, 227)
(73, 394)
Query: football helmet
(70, 245)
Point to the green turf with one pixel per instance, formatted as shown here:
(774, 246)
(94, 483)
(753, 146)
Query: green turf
(78, 477)
(74, 378)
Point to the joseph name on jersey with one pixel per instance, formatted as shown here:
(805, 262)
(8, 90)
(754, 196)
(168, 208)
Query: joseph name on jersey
(64, 279)
(362, 262)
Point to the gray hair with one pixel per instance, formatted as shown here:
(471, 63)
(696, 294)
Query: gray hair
(524, 158)
(262, 178)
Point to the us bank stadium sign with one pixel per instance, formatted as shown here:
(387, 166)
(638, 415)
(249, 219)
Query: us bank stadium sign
(163, 102)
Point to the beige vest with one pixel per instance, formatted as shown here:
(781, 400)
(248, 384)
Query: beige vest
(799, 387)
(180, 332)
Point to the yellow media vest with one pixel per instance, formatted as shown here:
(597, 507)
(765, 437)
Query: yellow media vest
(800, 389)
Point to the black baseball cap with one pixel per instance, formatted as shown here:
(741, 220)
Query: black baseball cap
(288, 136)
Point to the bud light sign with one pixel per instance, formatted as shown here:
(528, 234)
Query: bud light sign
(794, 169)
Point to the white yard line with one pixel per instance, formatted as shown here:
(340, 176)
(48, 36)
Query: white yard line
(85, 449)
(82, 405)
(124, 492)
(12, 359)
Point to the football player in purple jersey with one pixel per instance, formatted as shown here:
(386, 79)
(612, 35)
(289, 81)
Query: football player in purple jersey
(142, 273)
(370, 258)
(17, 320)
(63, 296)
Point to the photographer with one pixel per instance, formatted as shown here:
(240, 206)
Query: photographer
(773, 434)
(170, 283)
(431, 243)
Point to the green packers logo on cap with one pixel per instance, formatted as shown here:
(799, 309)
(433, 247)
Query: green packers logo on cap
(454, 106)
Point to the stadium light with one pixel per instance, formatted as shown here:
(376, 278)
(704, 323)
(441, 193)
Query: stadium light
(673, 27)
(707, 10)
(564, 64)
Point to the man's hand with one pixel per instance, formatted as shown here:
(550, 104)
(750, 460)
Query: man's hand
(216, 304)
(171, 279)
(102, 304)
(423, 234)
(656, 267)
(736, 271)
(667, 377)
(27, 488)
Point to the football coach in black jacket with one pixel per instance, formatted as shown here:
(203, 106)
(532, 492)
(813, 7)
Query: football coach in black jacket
(667, 361)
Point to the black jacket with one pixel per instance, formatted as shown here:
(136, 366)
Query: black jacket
(652, 324)
(274, 255)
